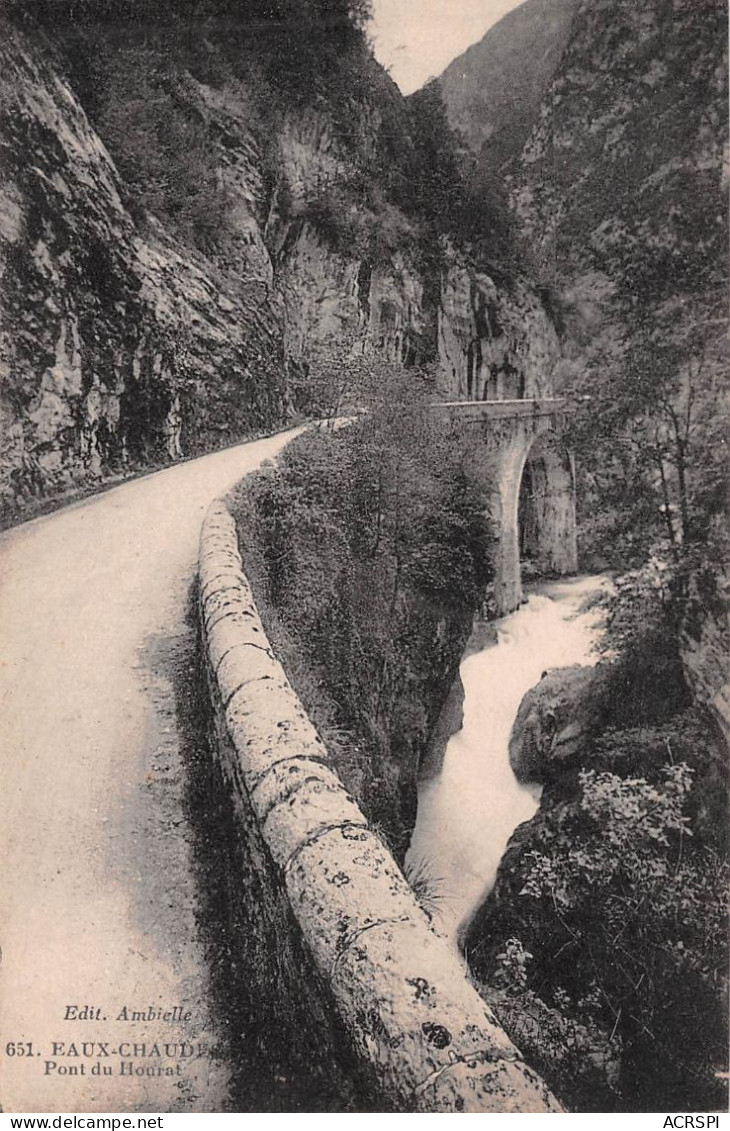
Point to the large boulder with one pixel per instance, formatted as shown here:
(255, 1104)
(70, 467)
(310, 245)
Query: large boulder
(553, 722)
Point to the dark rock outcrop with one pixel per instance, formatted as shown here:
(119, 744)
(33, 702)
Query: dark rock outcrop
(553, 723)
(120, 348)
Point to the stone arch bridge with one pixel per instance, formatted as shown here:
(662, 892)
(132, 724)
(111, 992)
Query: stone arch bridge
(531, 475)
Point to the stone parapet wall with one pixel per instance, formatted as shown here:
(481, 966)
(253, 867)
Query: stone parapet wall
(397, 993)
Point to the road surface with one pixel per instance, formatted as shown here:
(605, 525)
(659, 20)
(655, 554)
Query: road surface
(98, 897)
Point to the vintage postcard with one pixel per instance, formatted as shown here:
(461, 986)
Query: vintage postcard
(363, 565)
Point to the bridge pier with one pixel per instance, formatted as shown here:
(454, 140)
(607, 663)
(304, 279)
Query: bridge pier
(503, 510)
(546, 513)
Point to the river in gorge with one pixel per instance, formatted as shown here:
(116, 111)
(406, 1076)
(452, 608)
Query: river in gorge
(470, 802)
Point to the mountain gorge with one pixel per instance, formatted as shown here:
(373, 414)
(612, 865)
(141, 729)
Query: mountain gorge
(617, 187)
(209, 212)
(222, 218)
(622, 169)
(493, 91)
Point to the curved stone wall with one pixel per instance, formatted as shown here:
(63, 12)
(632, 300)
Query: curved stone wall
(398, 995)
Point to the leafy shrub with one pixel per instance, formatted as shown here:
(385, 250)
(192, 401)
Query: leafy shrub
(636, 930)
(646, 681)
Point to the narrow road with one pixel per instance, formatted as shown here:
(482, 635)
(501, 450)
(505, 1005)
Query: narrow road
(98, 898)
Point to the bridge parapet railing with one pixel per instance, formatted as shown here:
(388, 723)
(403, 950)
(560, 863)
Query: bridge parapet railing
(333, 936)
(477, 411)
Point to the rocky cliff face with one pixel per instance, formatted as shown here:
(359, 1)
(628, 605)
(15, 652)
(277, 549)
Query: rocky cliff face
(494, 342)
(554, 722)
(118, 348)
(619, 196)
(622, 171)
(178, 240)
(616, 161)
(621, 193)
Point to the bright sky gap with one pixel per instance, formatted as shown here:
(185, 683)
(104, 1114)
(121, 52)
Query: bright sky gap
(416, 39)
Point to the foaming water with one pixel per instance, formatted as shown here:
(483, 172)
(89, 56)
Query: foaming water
(469, 809)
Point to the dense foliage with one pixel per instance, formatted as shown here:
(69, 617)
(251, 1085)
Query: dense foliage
(369, 552)
(137, 67)
(201, 99)
(439, 185)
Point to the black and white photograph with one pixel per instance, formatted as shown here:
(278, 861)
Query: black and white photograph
(364, 645)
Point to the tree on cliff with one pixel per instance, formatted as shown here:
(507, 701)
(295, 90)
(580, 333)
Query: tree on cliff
(440, 188)
(628, 221)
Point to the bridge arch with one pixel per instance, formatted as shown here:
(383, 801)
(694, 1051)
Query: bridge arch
(530, 484)
(535, 515)
(546, 506)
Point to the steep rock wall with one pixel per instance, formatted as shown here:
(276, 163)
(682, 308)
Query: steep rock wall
(611, 197)
(321, 294)
(493, 342)
(553, 722)
(118, 348)
(349, 933)
(322, 230)
(493, 91)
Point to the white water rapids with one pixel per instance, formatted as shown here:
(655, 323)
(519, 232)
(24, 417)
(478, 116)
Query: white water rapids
(469, 806)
